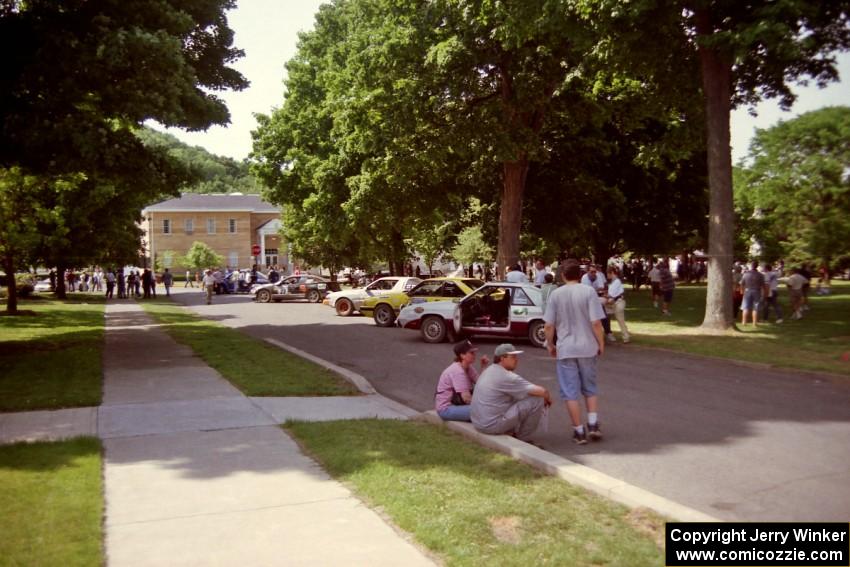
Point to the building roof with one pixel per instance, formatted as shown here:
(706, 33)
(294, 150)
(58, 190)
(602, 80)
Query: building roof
(196, 202)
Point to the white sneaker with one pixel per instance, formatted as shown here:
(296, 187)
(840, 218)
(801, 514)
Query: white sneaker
(779, 321)
(611, 338)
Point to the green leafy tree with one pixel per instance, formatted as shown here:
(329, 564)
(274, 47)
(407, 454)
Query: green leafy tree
(471, 247)
(80, 78)
(20, 234)
(431, 239)
(200, 257)
(216, 174)
(797, 187)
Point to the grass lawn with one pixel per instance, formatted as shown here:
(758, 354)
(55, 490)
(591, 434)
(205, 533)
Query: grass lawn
(819, 341)
(472, 506)
(52, 359)
(51, 497)
(253, 366)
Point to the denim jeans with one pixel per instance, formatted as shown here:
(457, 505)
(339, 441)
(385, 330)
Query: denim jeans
(455, 413)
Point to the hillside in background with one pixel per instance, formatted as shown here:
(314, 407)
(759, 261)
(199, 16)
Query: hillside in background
(219, 174)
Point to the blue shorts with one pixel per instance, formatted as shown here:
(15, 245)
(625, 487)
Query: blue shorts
(576, 376)
(752, 299)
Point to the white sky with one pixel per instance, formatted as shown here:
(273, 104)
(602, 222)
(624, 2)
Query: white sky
(267, 30)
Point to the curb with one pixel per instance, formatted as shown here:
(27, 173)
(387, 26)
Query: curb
(574, 473)
(549, 463)
(359, 381)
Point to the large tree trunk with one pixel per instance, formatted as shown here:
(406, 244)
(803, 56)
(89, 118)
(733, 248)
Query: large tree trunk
(716, 79)
(60, 281)
(11, 284)
(510, 214)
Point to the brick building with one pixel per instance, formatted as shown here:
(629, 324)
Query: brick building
(230, 224)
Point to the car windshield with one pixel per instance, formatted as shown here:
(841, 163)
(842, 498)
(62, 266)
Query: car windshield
(427, 288)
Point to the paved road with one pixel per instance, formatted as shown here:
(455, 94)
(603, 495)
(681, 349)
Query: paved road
(735, 442)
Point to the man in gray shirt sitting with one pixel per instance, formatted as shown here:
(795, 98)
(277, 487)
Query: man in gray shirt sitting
(504, 402)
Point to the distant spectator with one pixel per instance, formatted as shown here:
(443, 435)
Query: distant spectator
(167, 281)
(516, 275)
(655, 283)
(771, 279)
(540, 271)
(753, 288)
(110, 284)
(146, 283)
(209, 285)
(616, 301)
(667, 285)
(795, 283)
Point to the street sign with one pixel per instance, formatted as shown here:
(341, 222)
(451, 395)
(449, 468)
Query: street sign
(255, 250)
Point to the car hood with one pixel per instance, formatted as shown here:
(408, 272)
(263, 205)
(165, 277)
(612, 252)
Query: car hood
(349, 294)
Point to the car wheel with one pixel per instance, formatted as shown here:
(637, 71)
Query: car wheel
(264, 296)
(536, 334)
(434, 330)
(314, 296)
(344, 307)
(384, 315)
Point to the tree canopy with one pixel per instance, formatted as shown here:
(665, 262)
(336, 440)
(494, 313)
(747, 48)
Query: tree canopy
(398, 115)
(794, 188)
(78, 81)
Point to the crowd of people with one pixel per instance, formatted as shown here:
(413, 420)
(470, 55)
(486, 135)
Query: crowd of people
(123, 283)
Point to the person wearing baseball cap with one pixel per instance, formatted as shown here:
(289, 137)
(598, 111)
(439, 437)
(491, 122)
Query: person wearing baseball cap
(504, 402)
(454, 388)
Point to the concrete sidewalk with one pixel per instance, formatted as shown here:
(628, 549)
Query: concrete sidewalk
(196, 473)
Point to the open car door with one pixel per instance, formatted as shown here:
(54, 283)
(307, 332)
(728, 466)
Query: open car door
(457, 318)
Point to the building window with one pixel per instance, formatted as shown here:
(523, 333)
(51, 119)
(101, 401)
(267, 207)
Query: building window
(233, 259)
(210, 226)
(231, 226)
(167, 259)
(189, 225)
(166, 226)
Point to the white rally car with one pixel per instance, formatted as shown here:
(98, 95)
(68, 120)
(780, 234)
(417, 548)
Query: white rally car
(497, 309)
(348, 301)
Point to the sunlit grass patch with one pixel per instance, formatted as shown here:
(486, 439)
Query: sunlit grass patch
(51, 497)
(253, 366)
(472, 506)
(53, 358)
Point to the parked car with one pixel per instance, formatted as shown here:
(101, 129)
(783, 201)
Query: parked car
(348, 301)
(306, 286)
(385, 307)
(43, 286)
(497, 309)
(241, 281)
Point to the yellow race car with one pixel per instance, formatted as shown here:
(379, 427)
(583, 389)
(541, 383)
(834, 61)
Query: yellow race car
(384, 308)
